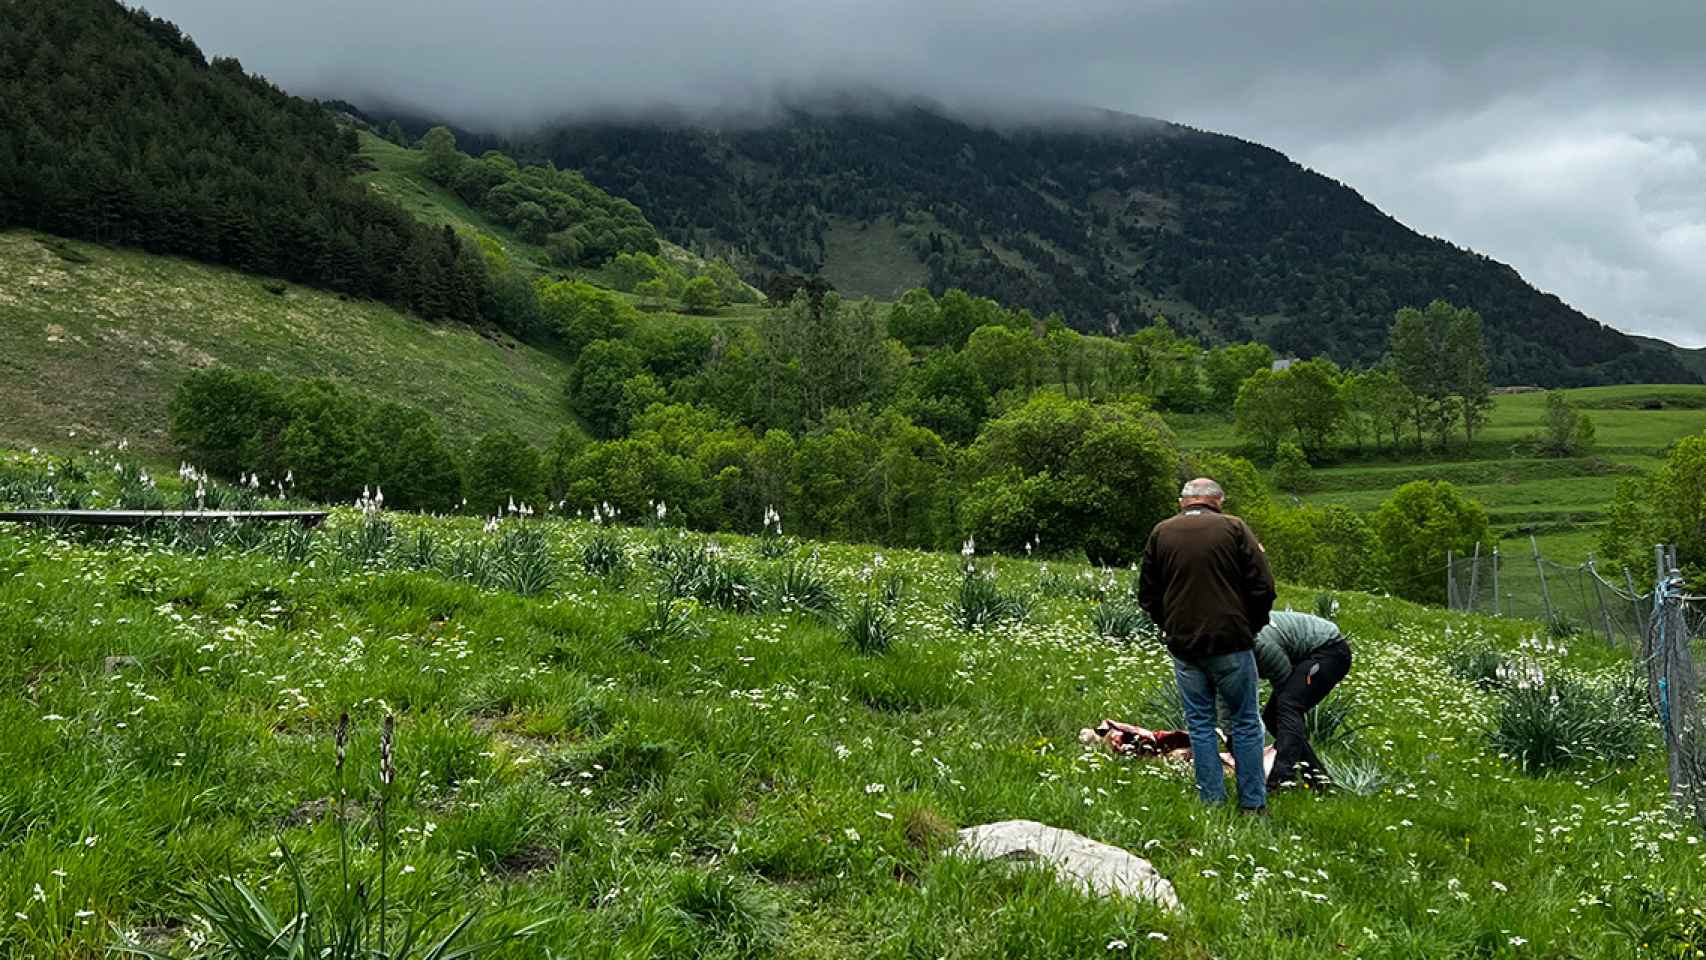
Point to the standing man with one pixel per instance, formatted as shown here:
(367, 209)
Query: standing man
(1205, 582)
(1304, 657)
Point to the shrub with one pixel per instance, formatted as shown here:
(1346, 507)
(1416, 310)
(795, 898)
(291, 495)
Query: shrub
(229, 421)
(594, 390)
(1667, 507)
(502, 469)
(1567, 432)
(701, 295)
(1332, 547)
(1417, 527)
(325, 443)
(1291, 468)
(1559, 722)
(1079, 475)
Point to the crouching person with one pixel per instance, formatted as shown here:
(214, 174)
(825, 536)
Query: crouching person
(1304, 657)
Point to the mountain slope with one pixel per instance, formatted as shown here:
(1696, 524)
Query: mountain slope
(1109, 223)
(115, 128)
(95, 340)
(1691, 358)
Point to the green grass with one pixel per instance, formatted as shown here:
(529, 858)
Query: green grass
(91, 351)
(870, 260)
(1560, 500)
(398, 176)
(754, 785)
(1557, 502)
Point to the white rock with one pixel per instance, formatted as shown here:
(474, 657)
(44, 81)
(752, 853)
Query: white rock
(1096, 868)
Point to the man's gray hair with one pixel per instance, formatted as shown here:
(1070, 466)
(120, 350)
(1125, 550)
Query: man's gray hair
(1202, 489)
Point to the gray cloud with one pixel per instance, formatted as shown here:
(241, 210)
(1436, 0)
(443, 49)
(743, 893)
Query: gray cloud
(1558, 137)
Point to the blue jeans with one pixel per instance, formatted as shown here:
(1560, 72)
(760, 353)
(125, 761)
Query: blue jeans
(1233, 677)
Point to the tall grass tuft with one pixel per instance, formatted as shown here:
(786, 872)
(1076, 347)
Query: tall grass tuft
(730, 914)
(1485, 667)
(775, 546)
(982, 603)
(1332, 723)
(524, 563)
(423, 551)
(365, 544)
(1563, 627)
(1560, 722)
(724, 583)
(472, 561)
(668, 620)
(1095, 586)
(802, 585)
(1121, 621)
(870, 626)
(603, 555)
(1326, 606)
(1161, 707)
(293, 543)
(1357, 773)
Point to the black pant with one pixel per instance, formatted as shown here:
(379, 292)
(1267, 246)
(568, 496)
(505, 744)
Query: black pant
(1311, 679)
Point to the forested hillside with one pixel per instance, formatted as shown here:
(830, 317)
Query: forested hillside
(115, 128)
(1109, 225)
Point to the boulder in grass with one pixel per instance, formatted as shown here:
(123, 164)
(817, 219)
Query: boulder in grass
(1096, 868)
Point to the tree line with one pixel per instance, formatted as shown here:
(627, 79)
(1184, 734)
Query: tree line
(919, 425)
(578, 224)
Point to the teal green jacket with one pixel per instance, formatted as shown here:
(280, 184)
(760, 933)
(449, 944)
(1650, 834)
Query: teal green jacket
(1288, 638)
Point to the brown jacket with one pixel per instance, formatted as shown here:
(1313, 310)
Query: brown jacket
(1205, 582)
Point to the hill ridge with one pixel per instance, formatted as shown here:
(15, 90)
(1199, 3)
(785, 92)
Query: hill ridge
(1109, 226)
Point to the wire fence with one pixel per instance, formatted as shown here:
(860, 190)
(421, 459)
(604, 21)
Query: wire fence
(1661, 626)
(1570, 599)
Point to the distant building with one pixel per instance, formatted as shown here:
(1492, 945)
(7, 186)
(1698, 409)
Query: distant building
(1284, 364)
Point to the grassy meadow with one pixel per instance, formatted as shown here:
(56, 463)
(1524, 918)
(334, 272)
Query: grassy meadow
(96, 339)
(1558, 502)
(655, 749)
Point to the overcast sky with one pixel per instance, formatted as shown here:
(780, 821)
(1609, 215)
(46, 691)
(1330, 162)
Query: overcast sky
(1565, 137)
